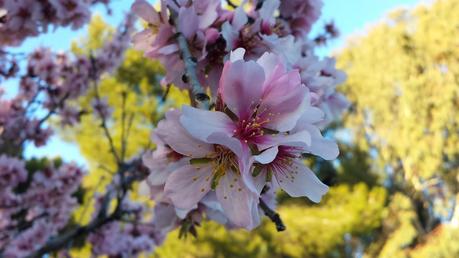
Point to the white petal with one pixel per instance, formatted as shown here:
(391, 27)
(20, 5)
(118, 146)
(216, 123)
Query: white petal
(301, 181)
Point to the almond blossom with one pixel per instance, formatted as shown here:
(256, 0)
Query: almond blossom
(257, 98)
(282, 166)
(209, 167)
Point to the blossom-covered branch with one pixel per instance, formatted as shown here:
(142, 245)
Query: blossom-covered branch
(271, 96)
(103, 216)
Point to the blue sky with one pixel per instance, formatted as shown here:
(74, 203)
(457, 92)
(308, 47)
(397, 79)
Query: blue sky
(351, 17)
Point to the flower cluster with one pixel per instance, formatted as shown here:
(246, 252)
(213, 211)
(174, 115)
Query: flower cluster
(271, 95)
(212, 32)
(253, 140)
(20, 19)
(125, 239)
(34, 205)
(50, 81)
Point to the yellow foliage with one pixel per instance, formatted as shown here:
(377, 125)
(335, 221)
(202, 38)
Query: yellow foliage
(312, 231)
(404, 89)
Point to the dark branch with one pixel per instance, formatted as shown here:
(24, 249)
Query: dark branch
(230, 3)
(102, 117)
(166, 93)
(274, 216)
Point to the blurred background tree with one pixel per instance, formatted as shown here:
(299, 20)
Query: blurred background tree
(394, 188)
(403, 82)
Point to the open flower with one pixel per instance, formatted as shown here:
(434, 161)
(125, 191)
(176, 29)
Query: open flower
(282, 165)
(261, 99)
(209, 167)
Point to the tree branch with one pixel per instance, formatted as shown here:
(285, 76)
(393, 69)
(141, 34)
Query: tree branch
(197, 90)
(274, 216)
(103, 119)
(123, 125)
(230, 3)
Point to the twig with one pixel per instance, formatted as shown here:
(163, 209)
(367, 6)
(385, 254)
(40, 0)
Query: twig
(274, 216)
(123, 126)
(166, 93)
(230, 3)
(129, 126)
(197, 89)
(105, 128)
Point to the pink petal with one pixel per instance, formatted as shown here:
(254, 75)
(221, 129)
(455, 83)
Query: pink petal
(188, 21)
(300, 139)
(145, 11)
(212, 35)
(237, 54)
(214, 210)
(267, 10)
(187, 185)
(245, 163)
(320, 146)
(165, 218)
(272, 66)
(230, 35)
(267, 156)
(239, 18)
(237, 201)
(168, 49)
(260, 181)
(173, 134)
(241, 86)
(202, 123)
(285, 99)
(159, 177)
(230, 142)
(209, 16)
(311, 115)
(143, 40)
(303, 183)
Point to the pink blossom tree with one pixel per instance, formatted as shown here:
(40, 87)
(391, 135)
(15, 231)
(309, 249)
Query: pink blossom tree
(259, 95)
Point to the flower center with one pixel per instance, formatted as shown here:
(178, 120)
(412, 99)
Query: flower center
(285, 157)
(252, 130)
(282, 164)
(222, 160)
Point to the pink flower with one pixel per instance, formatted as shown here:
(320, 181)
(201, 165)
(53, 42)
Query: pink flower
(12, 172)
(37, 134)
(161, 163)
(301, 14)
(196, 17)
(258, 97)
(157, 40)
(266, 15)
(322, 79)
(282, 166)
(231, 30)
(209, 167)
(69, 116)
(74, 12)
